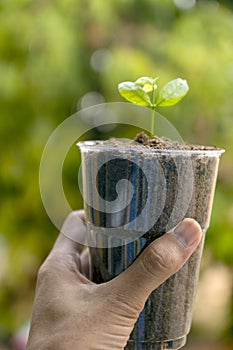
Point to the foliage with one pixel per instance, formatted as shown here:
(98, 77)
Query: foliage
(138, 92)
(56, 57)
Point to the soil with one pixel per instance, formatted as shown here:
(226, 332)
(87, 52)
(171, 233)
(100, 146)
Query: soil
(189, 182)
(165, 143)
(155, 142)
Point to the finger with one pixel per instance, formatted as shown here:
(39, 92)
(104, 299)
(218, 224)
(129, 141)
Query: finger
(72, 238)
(158, 261)
(85, 263)
(64, 258)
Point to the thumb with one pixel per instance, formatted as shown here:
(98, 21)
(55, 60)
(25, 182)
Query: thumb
(161, 259)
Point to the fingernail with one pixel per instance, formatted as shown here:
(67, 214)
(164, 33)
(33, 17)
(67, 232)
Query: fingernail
(187, 232)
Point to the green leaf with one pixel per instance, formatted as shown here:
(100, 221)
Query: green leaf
(147, 87)
(144, 80)
(134, 93)
(147, 83)
(172, 92)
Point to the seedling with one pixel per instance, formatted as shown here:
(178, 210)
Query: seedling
(142, 92)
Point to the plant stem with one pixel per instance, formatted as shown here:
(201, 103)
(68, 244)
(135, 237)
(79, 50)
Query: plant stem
(152, 127)
(152, 122)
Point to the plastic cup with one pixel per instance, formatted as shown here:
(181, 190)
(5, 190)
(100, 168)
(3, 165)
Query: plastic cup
(133, 196)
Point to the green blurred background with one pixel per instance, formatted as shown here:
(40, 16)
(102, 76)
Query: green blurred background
(58, 57)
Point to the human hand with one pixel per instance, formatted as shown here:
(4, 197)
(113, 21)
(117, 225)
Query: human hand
(71, 312)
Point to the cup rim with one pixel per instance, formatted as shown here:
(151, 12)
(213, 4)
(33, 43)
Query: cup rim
(100, 145)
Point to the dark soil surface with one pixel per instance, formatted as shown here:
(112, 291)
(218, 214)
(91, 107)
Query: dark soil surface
(165, 143)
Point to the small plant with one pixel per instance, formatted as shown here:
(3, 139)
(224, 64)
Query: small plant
(142, 92)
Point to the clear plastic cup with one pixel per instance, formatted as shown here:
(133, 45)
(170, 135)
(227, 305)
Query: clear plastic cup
(160, 188)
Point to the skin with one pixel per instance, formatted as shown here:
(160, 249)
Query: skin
(71, 312)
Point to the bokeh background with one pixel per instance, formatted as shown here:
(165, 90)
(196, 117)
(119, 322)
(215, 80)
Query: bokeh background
(57, 57)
